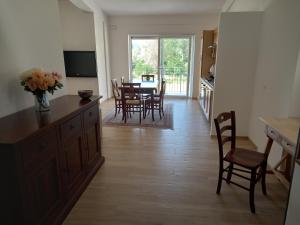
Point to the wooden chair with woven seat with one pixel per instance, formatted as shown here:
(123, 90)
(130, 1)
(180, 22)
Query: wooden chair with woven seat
(148, 78)
(122, 79)
(117, 96)
(249, 161)
(156, 102)
(131, 99)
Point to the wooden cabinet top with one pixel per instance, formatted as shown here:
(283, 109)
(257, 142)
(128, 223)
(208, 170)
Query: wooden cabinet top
(17, 126)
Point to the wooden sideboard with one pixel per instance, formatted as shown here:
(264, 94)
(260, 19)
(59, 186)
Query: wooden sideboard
(48, 159)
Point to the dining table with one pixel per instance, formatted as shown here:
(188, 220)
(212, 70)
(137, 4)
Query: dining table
(147, 87)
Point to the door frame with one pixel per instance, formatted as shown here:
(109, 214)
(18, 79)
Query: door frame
(191, 38)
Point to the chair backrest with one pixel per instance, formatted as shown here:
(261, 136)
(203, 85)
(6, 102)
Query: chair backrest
(162, 88)
(115, 88)
(122, 79)
(225, 117)
(131, 91)
(148, 77)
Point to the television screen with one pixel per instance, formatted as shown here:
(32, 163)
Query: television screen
(80, 63)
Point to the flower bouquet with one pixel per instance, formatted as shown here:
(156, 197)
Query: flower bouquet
(39, 82)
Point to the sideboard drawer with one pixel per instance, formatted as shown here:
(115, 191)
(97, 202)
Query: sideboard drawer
(274, 135)
(71, 128)
(91, 115)
(39, 148)
(287, 145)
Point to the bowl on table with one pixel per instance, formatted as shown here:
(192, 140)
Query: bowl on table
(85, 94)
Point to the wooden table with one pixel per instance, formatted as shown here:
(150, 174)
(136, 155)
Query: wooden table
(147, 87)
(284, 131)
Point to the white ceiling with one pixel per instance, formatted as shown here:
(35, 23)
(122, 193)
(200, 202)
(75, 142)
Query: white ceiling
(156, 7)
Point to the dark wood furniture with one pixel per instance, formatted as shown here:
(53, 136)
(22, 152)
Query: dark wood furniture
(147, 78)
(251, 161)
(145, 90)
(131, 99)
(206, 98)
(156, 102)
(48, 159)
(117, 96)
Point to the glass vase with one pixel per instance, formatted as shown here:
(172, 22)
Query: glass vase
(42, 102)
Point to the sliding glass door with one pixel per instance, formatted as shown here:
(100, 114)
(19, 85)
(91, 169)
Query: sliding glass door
(144, 57)
(167, 58)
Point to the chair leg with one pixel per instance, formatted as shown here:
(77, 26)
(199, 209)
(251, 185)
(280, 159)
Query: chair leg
(263, 178)
(162, 108)
(116, 110)
(125, 113)
(140, 115)
(252, 188)
(229, 174)
(152, 111)
(220, 179)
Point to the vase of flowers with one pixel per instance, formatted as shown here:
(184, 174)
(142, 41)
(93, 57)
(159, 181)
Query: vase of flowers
(39, 83)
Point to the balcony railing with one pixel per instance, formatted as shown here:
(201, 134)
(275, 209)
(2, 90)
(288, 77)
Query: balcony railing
(176, 79)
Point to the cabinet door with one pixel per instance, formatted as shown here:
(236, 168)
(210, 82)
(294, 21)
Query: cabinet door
(92, 135)
(72, 154)
(42, 180)
(43, 193)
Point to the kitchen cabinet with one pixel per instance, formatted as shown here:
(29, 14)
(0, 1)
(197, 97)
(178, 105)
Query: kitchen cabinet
(206, 98)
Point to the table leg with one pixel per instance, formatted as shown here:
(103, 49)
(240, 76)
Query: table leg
(152, 108)
(269, 146)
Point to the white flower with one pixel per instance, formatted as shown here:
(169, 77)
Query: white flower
(28, 73)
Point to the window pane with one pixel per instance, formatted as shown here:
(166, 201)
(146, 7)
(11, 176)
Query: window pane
(144, 57)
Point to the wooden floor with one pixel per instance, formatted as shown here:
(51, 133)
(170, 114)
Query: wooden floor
(169, 177)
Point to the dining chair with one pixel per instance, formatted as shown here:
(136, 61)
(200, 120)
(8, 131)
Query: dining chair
(156, 102)
(131, 99)
(122, 79)
(117, 96)
(248, 161)
(148, 78)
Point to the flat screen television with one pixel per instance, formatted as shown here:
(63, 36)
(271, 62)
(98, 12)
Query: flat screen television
(80, 63)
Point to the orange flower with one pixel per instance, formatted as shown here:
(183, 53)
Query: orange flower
(31, 84)
(43, 85)
(56, 76)
(38, 75)
(50, 80)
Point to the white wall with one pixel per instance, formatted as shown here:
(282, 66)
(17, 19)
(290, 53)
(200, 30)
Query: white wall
(295, 103)
(293, 215)
(237, 51)
(78, 35)
(276, 67)
(122, 26)
(245, 5)
(102, 49)
(30, 37)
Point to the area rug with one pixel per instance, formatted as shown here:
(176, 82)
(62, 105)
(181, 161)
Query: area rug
(165, 123)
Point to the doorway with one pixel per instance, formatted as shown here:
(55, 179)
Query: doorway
(166, 57)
